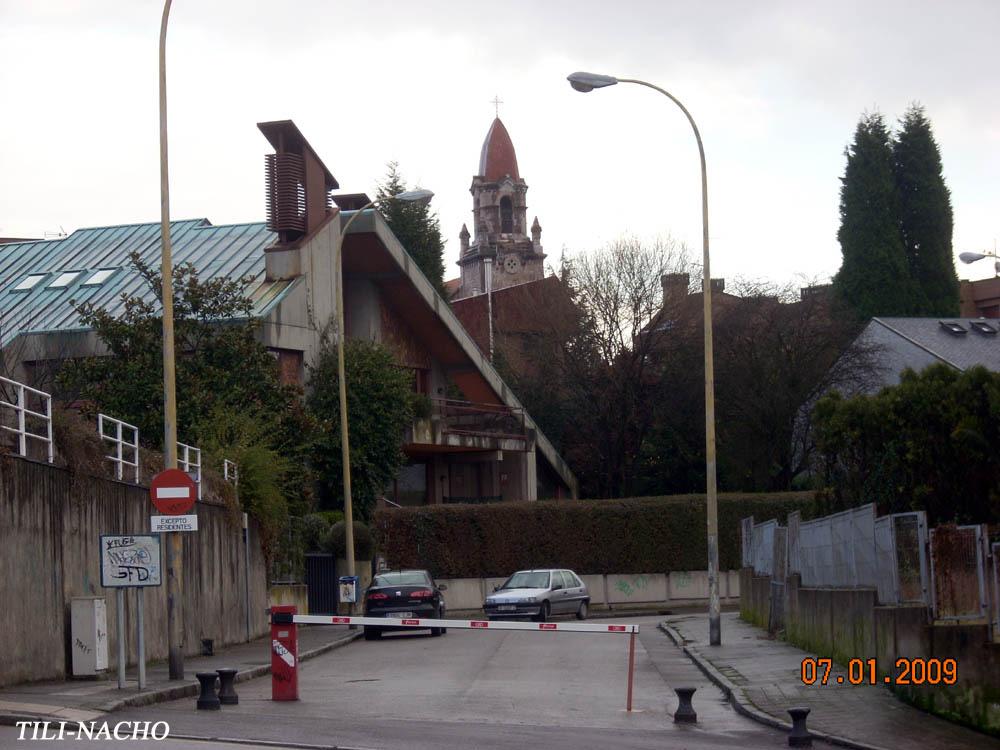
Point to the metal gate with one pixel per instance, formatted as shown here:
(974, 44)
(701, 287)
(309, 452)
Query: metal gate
(321, 578)
(996, 590)
(958, 573)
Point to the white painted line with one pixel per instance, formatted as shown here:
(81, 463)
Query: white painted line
(167, 493)
(565, 627)
(286, 656)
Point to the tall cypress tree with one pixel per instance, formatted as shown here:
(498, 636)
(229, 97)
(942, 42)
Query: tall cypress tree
(874, 278)
(925, 214)
(415, 226)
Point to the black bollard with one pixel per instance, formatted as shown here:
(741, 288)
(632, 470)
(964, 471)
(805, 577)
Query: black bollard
(227, 691)
(685, 711)
(799, 736)
(208, 700)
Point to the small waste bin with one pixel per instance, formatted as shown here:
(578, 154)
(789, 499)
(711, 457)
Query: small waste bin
(348, 589)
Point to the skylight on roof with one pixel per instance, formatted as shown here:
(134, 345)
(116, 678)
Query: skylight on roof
(984, 328)
(955, 329)
(64, 280)
(30, 282)
(99, 277)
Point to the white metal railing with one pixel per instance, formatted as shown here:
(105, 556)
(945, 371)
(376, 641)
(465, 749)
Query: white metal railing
(230, 471)
(22, 412)
(118, 439)
(189, 460)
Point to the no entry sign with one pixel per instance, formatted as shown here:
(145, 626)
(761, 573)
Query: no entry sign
(173, 492)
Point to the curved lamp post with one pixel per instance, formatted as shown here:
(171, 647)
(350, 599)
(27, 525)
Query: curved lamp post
(175, 600)
(411, 196)
(973, 257)
(586, 82)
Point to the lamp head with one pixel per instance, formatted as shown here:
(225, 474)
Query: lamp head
(585, 82)
(414, 196)
(970, 257)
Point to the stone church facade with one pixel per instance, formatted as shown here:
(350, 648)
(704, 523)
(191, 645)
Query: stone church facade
(504, 251)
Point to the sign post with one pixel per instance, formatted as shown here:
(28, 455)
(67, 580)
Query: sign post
(130, 561)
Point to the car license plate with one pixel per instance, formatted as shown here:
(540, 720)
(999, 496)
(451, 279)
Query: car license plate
(399, 615)
(507, 608)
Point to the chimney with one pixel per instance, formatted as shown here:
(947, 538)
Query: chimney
(718, 286)
(675, 286)
(298, 183)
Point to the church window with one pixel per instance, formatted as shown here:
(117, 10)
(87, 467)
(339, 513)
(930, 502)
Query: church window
(506, 215)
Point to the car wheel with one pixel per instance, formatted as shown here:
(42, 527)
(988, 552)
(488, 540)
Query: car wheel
(372, 634)
(581, 613)
(543, 614)
(437, 631)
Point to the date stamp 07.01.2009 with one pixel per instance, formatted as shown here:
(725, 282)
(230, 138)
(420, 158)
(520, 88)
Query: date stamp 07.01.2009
(817, 671)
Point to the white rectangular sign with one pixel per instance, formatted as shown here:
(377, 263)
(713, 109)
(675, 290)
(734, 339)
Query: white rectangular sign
(164, 524)
(130, 560)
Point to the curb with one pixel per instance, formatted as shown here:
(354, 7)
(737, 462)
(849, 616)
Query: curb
(176, 691)
(743, 705)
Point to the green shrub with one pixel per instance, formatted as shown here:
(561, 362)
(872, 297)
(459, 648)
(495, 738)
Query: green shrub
(364, 544)
(634, 535)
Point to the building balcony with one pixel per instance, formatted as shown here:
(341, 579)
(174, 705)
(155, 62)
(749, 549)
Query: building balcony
(464, 425)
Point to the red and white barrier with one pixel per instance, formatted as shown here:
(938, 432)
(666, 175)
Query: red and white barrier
(282, 683)
(419, 622)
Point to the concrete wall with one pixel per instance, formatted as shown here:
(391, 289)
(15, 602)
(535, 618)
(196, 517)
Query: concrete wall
(848, 624)
(50, 523)
(614, 591)
(283, 594)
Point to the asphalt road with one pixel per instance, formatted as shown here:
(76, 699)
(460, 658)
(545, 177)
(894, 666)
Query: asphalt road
(468, 689)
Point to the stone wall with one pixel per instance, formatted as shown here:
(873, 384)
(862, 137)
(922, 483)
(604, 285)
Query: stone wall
(50, 524)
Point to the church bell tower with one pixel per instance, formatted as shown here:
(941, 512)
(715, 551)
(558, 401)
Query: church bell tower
(503, 250)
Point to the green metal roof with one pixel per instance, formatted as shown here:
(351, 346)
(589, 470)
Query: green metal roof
(231, 251)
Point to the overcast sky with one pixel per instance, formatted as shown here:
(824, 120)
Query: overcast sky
(776, 88)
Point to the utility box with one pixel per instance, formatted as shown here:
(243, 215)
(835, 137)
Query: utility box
(348, 589)
(89, 634)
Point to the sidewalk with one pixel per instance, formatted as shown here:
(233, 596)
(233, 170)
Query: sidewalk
(763, 678)
(86, 700)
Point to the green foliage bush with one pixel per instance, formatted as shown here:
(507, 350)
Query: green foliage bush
(379, 409)
(634, 535)
(928, 443)
(364, 544)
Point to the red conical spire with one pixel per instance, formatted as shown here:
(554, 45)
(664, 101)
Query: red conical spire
(498, 159)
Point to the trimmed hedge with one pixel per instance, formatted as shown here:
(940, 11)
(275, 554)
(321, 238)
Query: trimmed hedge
(634, 535)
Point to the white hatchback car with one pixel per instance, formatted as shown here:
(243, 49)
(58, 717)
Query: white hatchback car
(538, 594)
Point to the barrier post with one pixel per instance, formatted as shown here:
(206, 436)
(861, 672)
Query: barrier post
(284, 654)
(631, 670)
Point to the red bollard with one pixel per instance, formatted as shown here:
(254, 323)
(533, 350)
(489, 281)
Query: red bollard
(284, 654)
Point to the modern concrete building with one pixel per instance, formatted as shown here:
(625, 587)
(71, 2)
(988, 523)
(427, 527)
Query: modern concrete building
(482, 447)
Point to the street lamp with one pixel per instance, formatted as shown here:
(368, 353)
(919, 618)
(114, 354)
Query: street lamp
(586, 82)
(410, 196)
(175, 557)
(973, 257)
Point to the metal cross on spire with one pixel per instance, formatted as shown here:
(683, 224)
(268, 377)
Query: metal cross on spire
(497, 101)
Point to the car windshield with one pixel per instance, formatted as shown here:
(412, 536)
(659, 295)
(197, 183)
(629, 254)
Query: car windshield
(402, 578)
(527, 579)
